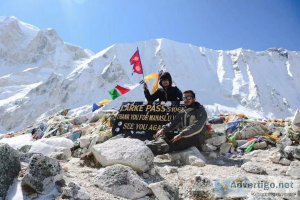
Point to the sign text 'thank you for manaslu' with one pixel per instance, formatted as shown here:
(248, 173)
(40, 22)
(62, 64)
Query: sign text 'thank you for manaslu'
(140, 120)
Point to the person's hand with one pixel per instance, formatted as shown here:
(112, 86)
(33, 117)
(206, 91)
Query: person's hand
(176, 138)
(145, 86)
(159, 133)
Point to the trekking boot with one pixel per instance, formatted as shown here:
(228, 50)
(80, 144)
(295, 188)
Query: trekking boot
(158, 147)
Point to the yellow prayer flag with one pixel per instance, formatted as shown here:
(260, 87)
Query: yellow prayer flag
(104, 102)
(155, 85)
(151, 76)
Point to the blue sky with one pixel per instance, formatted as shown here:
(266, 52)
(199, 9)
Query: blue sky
(216, 24)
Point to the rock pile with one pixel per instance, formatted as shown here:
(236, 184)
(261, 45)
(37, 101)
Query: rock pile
(77, 158)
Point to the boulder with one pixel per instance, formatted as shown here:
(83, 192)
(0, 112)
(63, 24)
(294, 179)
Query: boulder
(294, 170)
(260, 145)
(251, 167)
(225, 148)
(202, 188)
(79, 120)
(56, 147)
(85, 141)
(251, 130)
(293, 151)
(297, 153)
(213, 155)
(104, 136)
(122, 181)
(164, 191)
(208, 148)
(158, 146)
(25, 148)
(285, 161)
(74, 191)
(290, 150)
(94, 118)
(216, 141)
(61, 153)
(240, 143)
(284, 142)
(171, 169)
(42, 175)
(89, 160)
(190, 156)
(18, 141)
(275, 156)
(10, 167)
(58, 142)
(26, 157)
(296, 121)
(130, 152)
(94, 140)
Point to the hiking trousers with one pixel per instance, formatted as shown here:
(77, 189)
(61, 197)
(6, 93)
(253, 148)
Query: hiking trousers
(184, 143)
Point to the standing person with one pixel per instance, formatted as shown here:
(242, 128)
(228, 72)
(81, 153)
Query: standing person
(166, 93)
(191, 124)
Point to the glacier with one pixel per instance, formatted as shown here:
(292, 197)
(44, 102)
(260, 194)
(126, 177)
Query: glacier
(41, 75)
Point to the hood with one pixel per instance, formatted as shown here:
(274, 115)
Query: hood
(164, 76)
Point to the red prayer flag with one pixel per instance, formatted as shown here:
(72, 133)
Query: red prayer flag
(121, 89)
(136, 61)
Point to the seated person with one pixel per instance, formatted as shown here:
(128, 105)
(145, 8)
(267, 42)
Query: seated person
(166, 93)
(191, 123)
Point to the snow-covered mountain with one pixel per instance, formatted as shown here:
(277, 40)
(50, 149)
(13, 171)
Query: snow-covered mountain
(41, 74)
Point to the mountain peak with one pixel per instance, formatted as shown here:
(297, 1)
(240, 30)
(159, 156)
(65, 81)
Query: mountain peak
(22, 43)
(42, 73)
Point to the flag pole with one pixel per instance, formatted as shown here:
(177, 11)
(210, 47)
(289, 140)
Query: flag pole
(141, 63)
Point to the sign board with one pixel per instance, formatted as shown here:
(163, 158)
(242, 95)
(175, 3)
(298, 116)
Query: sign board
(141, 120)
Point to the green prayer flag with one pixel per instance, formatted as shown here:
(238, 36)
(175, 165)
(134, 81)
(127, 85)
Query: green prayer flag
(250, 147)
(114, 93)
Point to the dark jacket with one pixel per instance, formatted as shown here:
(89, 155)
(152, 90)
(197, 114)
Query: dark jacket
(168, 94)
(190, 121)
(164, 94)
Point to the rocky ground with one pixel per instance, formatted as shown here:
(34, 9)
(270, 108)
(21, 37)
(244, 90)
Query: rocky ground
(183, 176)
(92, 165)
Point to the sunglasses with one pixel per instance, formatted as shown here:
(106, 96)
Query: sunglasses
(187, 98)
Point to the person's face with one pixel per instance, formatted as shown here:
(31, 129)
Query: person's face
(165, 83)
(188, 99)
